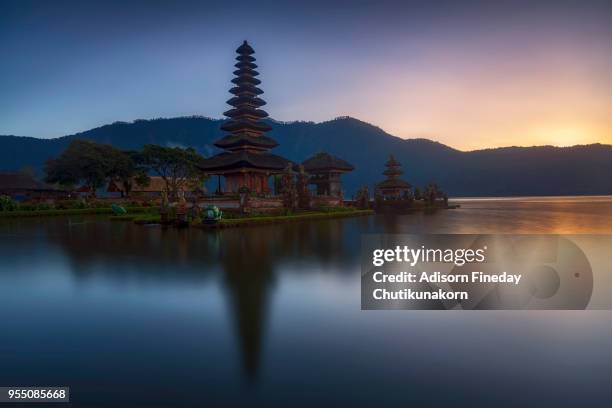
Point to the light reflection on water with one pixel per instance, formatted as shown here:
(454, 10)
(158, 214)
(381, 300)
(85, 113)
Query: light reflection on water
(147, 316)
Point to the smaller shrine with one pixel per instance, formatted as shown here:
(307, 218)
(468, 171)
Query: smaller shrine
(393, 188)
(325, 173)
(394, 195)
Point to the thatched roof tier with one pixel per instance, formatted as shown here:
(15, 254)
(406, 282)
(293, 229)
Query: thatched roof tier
(394, 168)
(239, 126)
(392, 162)
(245, 49)
(393, 172)
(246, 80)
(233, 142)
(323, 162)
(245, 71)
(245, 58)
(244, 159)
(393, 184)
(245, 89)
(245, 65)
(237, 113)
(237, 101)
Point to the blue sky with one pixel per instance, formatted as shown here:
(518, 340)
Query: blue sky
(468, 74)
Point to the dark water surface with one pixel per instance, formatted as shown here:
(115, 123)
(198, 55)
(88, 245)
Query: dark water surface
(143, 316)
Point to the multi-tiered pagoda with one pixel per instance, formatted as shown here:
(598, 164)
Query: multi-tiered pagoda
(245, 161)
(393, 187)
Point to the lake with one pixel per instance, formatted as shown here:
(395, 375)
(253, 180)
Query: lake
(131, 315)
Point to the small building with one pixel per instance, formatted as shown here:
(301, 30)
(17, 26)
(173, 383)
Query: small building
(23, 187)
(325, 173)
(393, 188)
(153, 189)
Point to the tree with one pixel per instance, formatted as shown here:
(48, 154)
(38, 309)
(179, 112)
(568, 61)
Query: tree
(83, 162)
(94, 164)
(417, 193)
(177, 167)
(124, 168)
(431, 193)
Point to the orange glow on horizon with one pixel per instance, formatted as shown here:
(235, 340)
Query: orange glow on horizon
(544, 95)
(530, 135)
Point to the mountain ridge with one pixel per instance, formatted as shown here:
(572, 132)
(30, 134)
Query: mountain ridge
(292, 122)
(511, 170)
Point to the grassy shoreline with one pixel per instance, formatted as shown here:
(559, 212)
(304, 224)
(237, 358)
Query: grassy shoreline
(72, 211)
(279, 219)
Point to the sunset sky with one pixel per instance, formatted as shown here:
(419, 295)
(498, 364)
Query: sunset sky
(468, 74)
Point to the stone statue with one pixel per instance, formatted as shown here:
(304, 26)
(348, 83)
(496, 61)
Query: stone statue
(243, 195)
(362, 200)
(164, 207)
(181, 208)
(195, 209)
(288, 189)
(303, 194)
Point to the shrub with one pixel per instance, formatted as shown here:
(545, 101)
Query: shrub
(80, 205)
(27, 207)
(8, 204)
(71, 205)
(329, 208)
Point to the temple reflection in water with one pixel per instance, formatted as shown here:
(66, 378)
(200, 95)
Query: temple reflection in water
(246, 263)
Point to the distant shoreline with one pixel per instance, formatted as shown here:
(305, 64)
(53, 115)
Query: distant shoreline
(529, 198)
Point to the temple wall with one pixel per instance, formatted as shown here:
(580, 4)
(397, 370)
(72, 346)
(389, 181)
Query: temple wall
(254, 203)
(323, 201)
(221, 202)
(262, 203)
(255, 182)
(335, 188)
